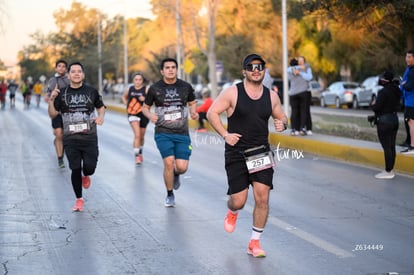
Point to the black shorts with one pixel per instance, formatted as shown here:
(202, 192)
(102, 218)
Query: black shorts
(408, 113)
(57, 122)
(81, 153)
(143, 120)
(238, 176)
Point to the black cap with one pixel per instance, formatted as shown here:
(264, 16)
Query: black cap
(387, 75)
(250, 58)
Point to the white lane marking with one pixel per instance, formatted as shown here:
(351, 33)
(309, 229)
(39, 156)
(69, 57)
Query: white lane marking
(318, 242)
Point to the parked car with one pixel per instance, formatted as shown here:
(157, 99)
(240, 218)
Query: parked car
(371, 83)
(345, 93)
(316, 89)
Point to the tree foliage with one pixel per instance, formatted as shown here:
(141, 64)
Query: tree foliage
(366, 37)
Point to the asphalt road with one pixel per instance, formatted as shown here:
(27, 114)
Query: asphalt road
(326, 217)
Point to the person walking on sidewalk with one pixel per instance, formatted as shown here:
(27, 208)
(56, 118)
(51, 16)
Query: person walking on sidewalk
(386, 107)
(171, 96)
(60, 79)
(203, 109)
(133, 98)
(407, 87)
(248, 157)
(77, 104)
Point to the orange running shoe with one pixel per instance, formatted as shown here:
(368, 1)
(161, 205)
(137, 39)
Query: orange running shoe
(78, 205)
(230, 221)
(138, 159)
(86, 182)
(255, 250)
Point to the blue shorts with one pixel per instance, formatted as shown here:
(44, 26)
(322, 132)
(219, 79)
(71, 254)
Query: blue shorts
(175, 145)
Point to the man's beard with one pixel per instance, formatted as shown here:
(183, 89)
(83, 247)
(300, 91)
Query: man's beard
(254, 81)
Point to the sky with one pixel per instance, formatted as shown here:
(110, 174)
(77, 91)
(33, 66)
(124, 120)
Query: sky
(25, 17)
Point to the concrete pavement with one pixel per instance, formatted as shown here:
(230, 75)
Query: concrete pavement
(345, 149)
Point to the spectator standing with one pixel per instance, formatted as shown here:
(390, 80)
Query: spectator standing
(386, 107)
(171, 96)
(133, 98)
(407, 87)
(248, 106)
(203, 109)
(82, 109)
(300, 100)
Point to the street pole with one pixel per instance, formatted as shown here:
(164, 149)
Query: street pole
(125, 52)
(178, 29)
(285, 59)
(99, 55)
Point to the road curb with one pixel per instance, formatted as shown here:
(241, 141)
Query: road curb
(349, 153)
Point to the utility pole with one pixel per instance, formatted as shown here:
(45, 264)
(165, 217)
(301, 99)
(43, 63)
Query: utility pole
(99, 55)
(284, 59)
(178, 30)
(125, 52)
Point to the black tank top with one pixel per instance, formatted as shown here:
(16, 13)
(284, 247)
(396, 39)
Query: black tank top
(250, 119)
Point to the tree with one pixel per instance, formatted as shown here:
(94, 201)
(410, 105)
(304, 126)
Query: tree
(385, 27)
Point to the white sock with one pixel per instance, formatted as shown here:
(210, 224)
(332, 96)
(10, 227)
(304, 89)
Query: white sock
(256, 233)
(136, 151)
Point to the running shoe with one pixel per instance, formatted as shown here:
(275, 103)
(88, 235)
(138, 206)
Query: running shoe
(230, 221)
(177, 181)
(78, 205)
(138, 159)
(408, 151)
(61, 164)
(170, 201)
(255, 250)
(86, 182)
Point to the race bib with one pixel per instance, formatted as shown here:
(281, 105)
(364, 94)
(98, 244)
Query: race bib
(258, 159)
(175, 115)
(81, 127)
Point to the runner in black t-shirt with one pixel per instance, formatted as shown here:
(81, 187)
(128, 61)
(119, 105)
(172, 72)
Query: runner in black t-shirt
(77, 104)
(171, 97)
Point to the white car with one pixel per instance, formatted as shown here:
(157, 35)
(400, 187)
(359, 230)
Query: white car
(371, 83)
(345, 93)
(316, 90)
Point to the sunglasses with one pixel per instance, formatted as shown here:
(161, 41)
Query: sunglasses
(253, 67)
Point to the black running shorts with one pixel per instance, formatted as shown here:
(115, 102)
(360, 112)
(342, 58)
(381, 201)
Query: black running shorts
(238, 176)
(408, 112)
(57, 122)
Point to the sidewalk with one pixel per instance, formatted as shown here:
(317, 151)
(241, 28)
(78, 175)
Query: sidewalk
(345, 149)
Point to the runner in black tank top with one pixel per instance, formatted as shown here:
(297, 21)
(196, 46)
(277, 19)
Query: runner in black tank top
(248, 159)
(134, 98)
(250, 119)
